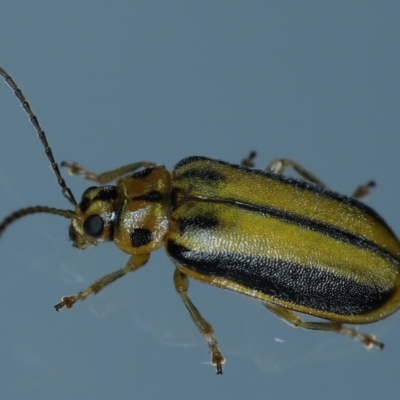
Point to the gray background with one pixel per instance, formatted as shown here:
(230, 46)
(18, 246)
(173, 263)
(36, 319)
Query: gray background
(317, 82)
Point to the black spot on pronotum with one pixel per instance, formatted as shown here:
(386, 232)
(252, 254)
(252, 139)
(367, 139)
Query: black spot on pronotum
(141, 237)
(93, 226)
(153, 196)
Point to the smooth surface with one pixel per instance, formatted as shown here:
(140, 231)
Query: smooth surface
(156, 81)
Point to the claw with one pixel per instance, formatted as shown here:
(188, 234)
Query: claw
(67, 302)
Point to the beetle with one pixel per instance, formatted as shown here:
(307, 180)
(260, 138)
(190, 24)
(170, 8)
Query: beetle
(292, 244)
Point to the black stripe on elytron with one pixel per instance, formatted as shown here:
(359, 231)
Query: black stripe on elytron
(204, 173)
(280, 279)
(313, 225)
(296, 183)
(191, 159)
(197, 222)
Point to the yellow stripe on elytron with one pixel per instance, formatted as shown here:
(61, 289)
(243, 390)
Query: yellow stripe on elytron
(259, 189)
(250, 234)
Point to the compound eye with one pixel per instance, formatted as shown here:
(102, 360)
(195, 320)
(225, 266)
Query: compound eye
(93, 226)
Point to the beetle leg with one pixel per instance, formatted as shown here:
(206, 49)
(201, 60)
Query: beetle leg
(248, 161)
(181, 282)
(134, 263)
(292, 319)
(105, 177)
(279, 165)
(363, 190)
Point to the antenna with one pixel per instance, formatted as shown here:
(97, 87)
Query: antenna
(66, 191)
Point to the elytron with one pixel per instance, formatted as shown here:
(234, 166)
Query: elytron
(292, 244)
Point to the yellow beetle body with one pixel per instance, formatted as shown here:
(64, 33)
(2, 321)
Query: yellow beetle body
(290, 243)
